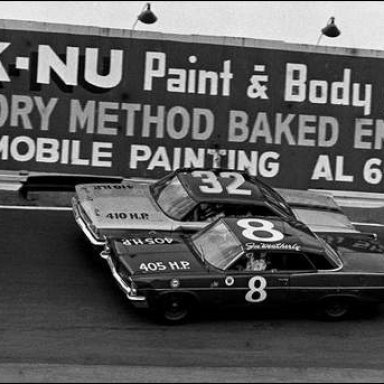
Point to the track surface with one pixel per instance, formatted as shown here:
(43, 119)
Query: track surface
(59, 305)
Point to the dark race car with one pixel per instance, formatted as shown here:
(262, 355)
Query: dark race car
(184, 201)
(246, 263)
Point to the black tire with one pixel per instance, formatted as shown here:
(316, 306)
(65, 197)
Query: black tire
(174, 309)
(335, 308)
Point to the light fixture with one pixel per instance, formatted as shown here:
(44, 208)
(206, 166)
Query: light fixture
(330, 30)
(146, 16)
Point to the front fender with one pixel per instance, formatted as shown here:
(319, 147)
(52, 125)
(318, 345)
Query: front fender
(155, 297)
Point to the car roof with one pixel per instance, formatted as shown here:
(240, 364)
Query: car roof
(192, 185)
(297, 236)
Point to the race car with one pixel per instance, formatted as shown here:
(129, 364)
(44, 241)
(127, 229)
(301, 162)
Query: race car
(186, 200)
(249, 262)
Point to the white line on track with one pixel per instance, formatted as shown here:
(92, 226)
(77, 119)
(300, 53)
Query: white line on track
(31, 208)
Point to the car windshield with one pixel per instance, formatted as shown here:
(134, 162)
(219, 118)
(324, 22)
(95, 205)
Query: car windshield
(218, 246)
(172, 198)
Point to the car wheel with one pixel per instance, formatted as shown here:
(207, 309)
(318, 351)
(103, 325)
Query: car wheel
(175, 309)
(335, 308)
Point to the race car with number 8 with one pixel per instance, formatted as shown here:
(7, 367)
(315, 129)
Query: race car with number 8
(174, 276)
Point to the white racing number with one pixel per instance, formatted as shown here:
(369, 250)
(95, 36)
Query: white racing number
(257, 284)
(209, 178)
(257, 293)
(264, 226)
(213, 185)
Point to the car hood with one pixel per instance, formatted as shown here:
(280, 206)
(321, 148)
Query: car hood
(156, 255)
(359, 252)
(121, 206)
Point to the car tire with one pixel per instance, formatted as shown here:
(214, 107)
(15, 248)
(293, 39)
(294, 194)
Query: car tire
(175, 309)
(335, 308)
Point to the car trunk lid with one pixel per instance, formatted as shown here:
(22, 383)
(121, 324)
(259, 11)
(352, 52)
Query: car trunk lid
(359, 252)
(121, 206)
(156, 254)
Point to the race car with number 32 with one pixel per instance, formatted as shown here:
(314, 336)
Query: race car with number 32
(186, 201)
(249, 262)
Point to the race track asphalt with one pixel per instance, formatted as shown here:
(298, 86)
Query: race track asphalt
(60, 307)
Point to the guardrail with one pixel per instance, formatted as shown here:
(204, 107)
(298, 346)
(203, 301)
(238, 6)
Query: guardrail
(12, 181)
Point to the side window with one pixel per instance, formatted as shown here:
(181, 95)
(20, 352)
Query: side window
(252, 261)
(206, 212)
(289, 262)
(247, 210)
(211, 212)
(260, 211)
(256, 261)
(320, 262)
(240, 264)
(234, 210)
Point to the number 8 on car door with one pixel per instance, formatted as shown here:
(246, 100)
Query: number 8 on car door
(252, 280)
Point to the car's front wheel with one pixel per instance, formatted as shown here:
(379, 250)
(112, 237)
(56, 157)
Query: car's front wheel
(174, 309)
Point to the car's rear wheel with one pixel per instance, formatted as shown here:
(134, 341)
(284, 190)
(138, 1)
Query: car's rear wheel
(175, 309)
(335, 308)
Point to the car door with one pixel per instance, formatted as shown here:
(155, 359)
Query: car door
(258, 289)
(300, 271)
(251, 288)
(270, 287)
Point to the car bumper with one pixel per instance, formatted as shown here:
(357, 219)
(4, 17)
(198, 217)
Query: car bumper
(138, 301)
(84, 227)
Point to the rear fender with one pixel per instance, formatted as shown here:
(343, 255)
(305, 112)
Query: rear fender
(351, 298)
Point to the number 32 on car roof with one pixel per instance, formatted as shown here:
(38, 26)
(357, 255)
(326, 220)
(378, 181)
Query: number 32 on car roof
(212, 183)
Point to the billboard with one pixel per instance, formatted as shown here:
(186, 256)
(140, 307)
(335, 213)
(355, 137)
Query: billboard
(137, 104)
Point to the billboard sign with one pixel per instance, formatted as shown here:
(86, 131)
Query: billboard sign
(137, 104)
